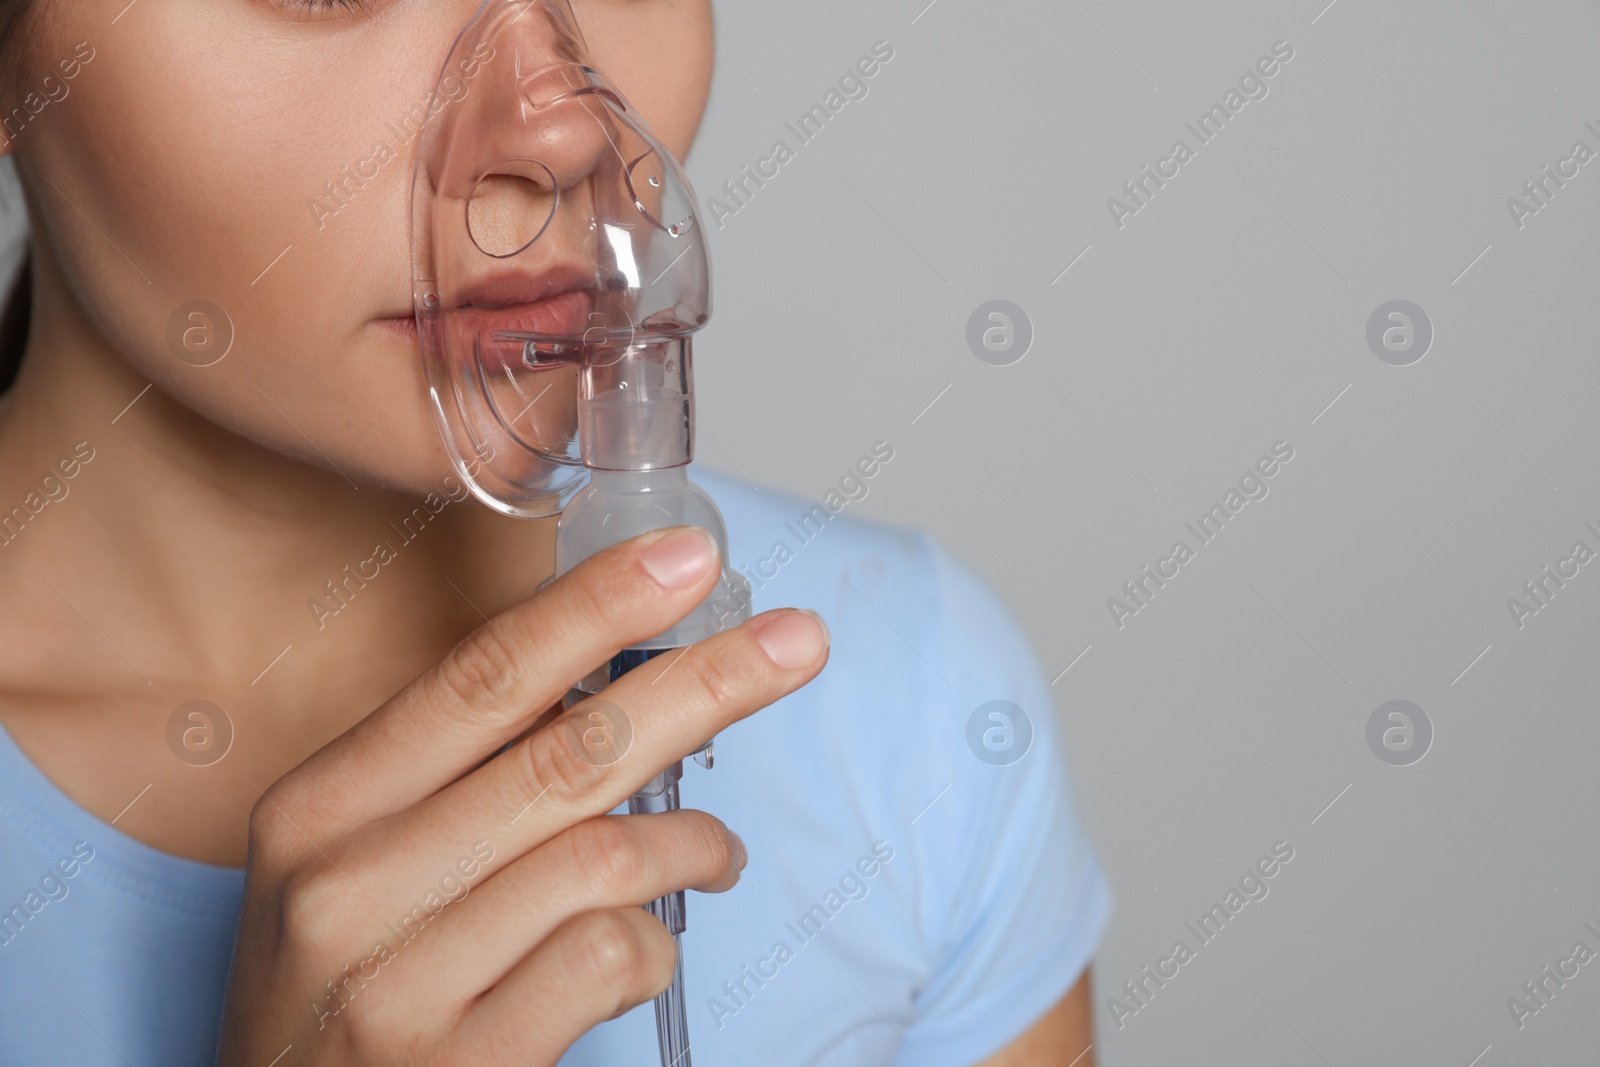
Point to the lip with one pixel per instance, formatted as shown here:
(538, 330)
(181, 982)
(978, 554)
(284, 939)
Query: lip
(553, 302)
(525, 287)
(564, 314)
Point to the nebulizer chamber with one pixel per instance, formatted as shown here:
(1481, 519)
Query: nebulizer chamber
(559, 274)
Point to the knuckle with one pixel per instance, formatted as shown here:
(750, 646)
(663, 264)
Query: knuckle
(264, 823)
(590, 598)
(718, 686)
(482, 672)
(557, 760)
(312, 907)
(615, 951)
(380, 1022)
(273, 817)
(608, 853)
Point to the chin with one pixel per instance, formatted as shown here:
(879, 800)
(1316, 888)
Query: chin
(384, 438)
(387, 435)
(403, 454)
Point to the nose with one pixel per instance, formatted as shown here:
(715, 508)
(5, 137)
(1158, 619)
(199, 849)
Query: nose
(548, 132)
(529, 128)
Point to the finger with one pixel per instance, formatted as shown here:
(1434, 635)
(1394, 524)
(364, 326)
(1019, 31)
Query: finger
(608, 862)
(507, 672)
(671, 705)
(594, 967)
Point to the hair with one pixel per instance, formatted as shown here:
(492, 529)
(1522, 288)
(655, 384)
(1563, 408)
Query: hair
(16, 316)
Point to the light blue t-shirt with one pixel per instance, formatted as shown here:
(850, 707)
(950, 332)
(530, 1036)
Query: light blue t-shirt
(906, 901)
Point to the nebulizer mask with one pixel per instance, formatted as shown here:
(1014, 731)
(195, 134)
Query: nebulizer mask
(559, 273)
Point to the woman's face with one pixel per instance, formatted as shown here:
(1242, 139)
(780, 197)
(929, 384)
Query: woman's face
(203, 150)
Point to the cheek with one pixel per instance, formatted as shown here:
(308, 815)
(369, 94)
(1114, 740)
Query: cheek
(659, 54)
(238, 163)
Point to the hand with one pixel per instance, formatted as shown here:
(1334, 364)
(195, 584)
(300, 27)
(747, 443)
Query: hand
(413, 897)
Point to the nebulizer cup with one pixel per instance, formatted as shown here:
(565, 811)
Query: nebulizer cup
(560, 271)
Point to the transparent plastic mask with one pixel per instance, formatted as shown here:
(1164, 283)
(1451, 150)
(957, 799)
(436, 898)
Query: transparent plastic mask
(559, 267)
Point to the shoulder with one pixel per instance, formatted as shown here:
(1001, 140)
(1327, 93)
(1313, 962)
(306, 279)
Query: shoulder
(895, 826)
(924, 656)
(928, 751)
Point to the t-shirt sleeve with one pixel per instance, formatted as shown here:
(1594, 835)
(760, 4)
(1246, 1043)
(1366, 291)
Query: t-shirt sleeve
(1014, 900)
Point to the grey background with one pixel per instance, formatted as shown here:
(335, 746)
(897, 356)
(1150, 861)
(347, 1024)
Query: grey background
(1223, 317)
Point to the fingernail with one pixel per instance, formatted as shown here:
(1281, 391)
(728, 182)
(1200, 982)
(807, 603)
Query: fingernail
(794, 639)
(681, 558)
(741, 855)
